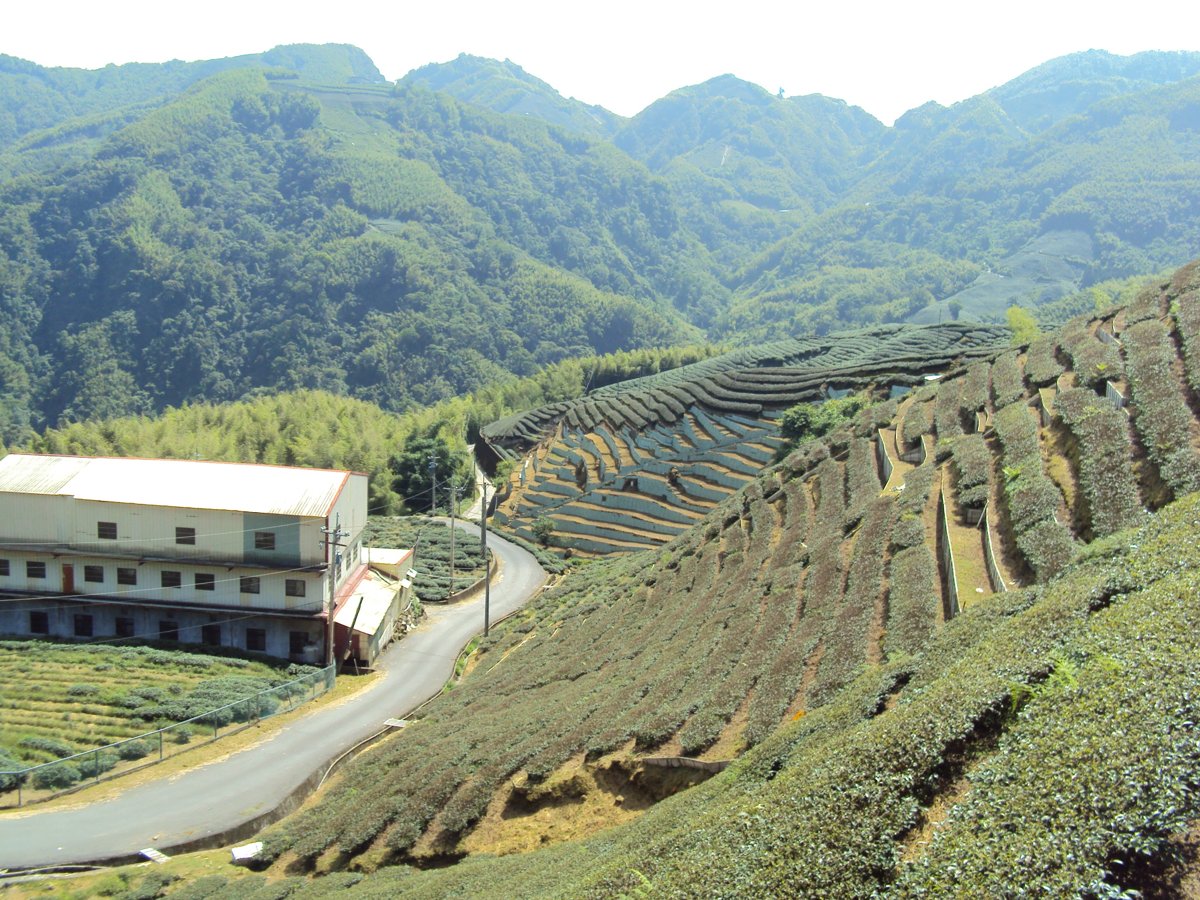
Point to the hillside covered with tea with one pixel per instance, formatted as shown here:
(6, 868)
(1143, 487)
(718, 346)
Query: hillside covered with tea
(951, 641)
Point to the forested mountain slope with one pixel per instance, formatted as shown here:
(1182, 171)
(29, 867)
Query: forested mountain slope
(283, 221)
(244, 237)
(908, 701)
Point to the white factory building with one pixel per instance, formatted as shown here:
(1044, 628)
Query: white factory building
(220, 554)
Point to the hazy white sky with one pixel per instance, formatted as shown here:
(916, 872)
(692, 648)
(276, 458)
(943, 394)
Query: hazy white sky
(886, 57)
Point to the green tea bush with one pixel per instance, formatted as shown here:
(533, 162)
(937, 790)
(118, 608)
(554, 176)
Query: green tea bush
(1008, 384)
(1092, 360)
(1104, 460)
(975, 389)
(1032, 499)
(1160, 410)
(56, 776)
(1187, 327)
(1042, 367)
(97, 763)
(914, 605)
(135, 749)
(973, 470)
(947, 415)
(918, 420)
(10, 766)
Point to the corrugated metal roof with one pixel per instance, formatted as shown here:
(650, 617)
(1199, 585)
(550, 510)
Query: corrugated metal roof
(194, 484)
(370, 602)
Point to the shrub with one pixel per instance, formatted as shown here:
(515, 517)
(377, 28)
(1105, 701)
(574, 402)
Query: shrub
(1042, 367)
(47, 745)
(918, 419)
(95, 764)
(1160, 410)
(1187, 326)
(56, 776)
(1093, 360)
(974, 396)
(135, 749)
(83, 690)
(1105, 468)
(10, 764)
(973, 466)
(1008, 384)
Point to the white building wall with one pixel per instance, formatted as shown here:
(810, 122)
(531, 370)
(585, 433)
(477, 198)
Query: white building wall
(33, 518)
(350, 510)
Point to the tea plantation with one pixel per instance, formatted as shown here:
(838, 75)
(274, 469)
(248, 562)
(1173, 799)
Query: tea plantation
(57, 700)
(946, 649)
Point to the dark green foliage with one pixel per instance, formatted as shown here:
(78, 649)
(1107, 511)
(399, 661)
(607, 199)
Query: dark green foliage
(1042, 368)
(1032, 499)
(424, 470)
(135, 749)
(56, 776)
(9, 764)
(973, 468)
(1007, 381)
(947, 419)
(806, 421)
(918, 420)
(1105, 466)
(975, 391)
(1160, 410)
(1093, 360)
(914, 606)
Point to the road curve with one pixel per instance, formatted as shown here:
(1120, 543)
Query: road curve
(215, 798)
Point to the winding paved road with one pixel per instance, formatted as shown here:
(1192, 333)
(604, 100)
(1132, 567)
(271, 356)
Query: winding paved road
(212, 799)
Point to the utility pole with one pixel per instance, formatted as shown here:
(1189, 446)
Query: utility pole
(333, 543)
(432, 483)
(487, 569)
(453, 503)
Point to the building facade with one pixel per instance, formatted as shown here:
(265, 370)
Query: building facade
(221, 554)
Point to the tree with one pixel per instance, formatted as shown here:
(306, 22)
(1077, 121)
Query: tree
(411, 472)
(1024, 326)
(543, 529)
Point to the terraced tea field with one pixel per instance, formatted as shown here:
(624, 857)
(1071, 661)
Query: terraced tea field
(835, 571)
(60, 699)
(634, 464)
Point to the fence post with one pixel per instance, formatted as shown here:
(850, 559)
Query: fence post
(96, 763)
(160, 745)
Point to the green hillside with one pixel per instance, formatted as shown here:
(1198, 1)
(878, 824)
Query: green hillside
(885, 698)
(208, 231)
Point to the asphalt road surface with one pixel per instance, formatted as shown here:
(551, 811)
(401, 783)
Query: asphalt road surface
(212, 799)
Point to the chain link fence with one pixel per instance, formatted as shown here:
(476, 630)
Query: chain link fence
(47, 780)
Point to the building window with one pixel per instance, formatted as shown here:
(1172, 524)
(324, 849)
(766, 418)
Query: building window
(210, 635)
(256, 639)
(248, 584)
(35, 569)
(39, 623)
(297, 641)
(4, 570)
(294, 587)
(124, 627)
(106, 531)
(264, 540)
(94, 574)
(185, 535)
(205, 581)
(83, 625)
(171, 579)
(168, 630)
(126, 576)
